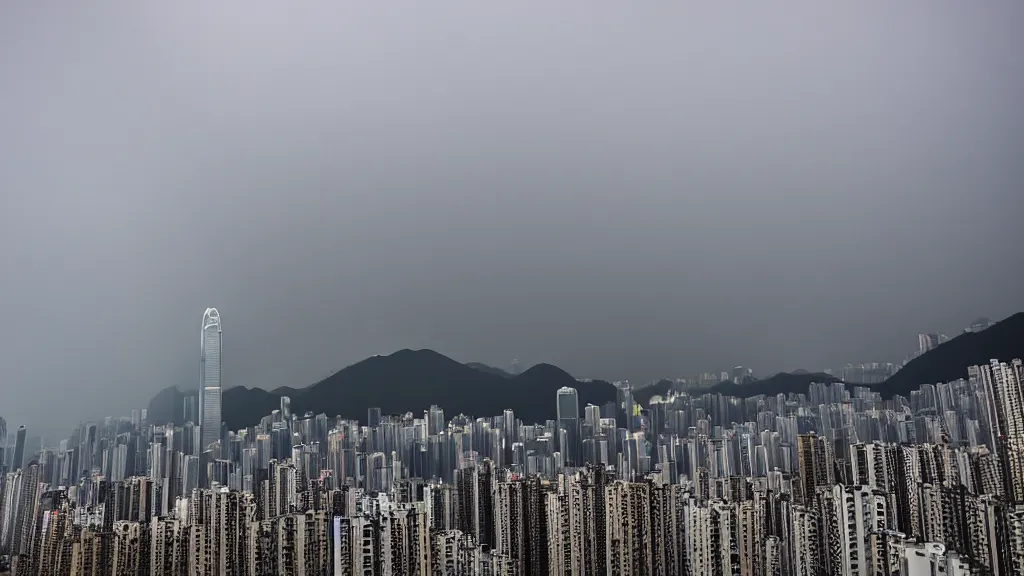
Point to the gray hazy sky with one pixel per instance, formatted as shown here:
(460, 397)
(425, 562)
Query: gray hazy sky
(623, 189)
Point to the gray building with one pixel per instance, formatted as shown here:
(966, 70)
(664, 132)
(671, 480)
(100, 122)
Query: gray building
(568, 433)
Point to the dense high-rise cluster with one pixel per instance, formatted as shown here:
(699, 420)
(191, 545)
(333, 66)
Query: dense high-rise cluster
(837, 481)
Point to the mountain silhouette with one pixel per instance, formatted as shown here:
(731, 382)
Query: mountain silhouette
(946, 362)
(489, 369)
(949, 361)
(660, 388)
(413, 380)
(781, 383)
(406, 381)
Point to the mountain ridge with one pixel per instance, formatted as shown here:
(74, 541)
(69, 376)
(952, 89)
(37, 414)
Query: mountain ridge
(405, 381)
(489, 369)
(946, 362)
(412, 380)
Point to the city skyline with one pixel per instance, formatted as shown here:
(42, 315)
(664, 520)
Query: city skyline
(512, 288)
(212, 336)
(209, 428)
(835, 479)
(838, 477)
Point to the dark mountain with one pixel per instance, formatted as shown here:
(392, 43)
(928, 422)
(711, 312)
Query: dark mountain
(166, 406)
(781, 383)
(949, 361)
(488, 369)
(660, 388)
(406, 381)
(413, 380)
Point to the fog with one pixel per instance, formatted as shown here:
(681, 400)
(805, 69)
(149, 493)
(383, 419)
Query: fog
(621, 189)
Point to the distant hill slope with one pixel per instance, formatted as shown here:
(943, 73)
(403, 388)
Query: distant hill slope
(166, 406)
(643, 395)
(413, 380)
(406, 381)
(488, 369)
(949, 361)
(781, 383)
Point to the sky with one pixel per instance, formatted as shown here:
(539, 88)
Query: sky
(623, 189)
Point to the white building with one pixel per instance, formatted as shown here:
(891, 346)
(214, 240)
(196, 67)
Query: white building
(210, 363)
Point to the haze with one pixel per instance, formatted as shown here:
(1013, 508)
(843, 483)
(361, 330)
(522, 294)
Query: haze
(625, 190)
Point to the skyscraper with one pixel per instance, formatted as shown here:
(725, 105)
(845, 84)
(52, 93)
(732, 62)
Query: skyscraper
(190, 409)
(19, 449)
(3, 444)
(286, 408)
(568, 433)
(209, 379)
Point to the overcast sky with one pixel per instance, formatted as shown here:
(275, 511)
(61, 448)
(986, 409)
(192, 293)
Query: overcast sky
(624, 189)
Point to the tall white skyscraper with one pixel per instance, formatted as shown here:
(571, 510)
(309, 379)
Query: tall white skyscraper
(209, 379)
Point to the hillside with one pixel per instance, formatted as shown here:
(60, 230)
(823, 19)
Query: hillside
(949, 361)
(406, 381)
(643, 395)
(413, 380)
(166, 406)
(946, 362)
(489, 369)
(781, 383)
